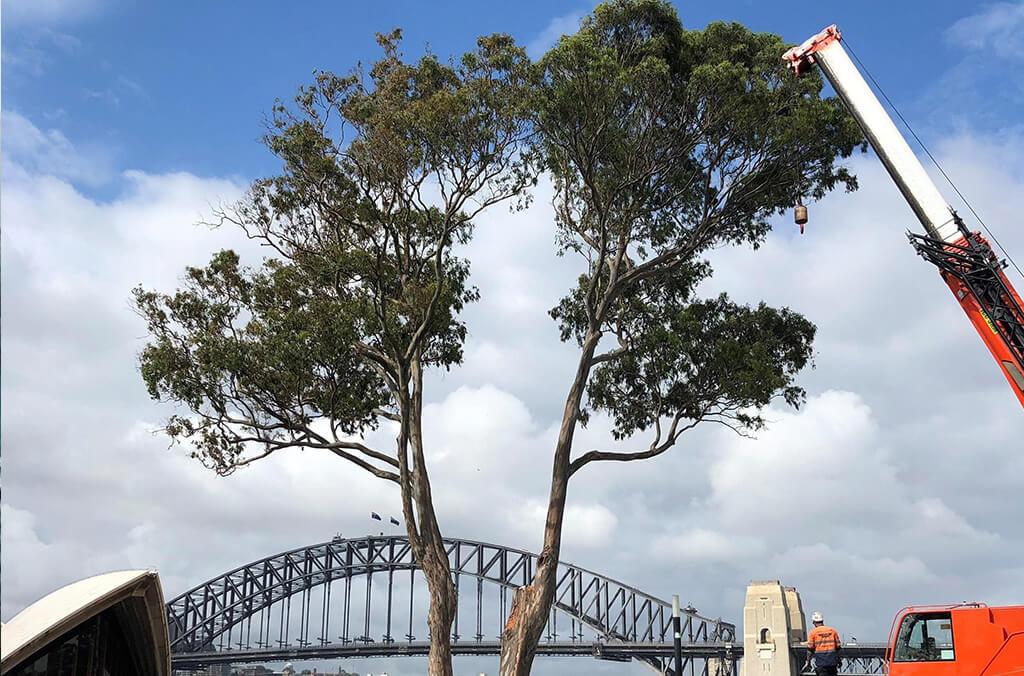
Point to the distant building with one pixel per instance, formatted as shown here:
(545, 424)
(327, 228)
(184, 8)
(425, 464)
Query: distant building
(112, 624)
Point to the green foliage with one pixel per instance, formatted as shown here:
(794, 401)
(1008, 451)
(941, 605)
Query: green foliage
(655, 129)
(708, 358)
(255, 356)
(665, 143)
(382, 174)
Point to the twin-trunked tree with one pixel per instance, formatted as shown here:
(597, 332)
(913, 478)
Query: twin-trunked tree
(662, 144)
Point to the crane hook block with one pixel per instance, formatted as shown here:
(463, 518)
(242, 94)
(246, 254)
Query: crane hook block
(800, 216)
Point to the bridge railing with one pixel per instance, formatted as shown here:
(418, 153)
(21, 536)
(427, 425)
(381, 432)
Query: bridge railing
(860, 659)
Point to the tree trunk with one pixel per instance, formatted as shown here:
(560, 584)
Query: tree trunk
(433, 561)
(441, 613)
(531, 605)
(430, 550)
(522, 632)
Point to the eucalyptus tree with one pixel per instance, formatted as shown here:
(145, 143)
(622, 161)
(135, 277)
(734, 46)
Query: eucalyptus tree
(663, 144)
(329, 337)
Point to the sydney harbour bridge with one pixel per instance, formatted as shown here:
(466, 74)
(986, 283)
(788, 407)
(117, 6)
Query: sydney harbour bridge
(366, 597)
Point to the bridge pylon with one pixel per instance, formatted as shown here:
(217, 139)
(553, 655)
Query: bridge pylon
(773, 620)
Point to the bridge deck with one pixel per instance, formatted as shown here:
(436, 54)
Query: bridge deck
(624, 651)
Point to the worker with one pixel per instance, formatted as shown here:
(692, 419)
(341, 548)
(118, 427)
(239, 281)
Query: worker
(823, 646)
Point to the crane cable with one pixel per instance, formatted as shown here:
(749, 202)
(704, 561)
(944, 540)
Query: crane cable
(929, 154)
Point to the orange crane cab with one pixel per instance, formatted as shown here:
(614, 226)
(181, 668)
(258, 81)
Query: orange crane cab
(970, 639)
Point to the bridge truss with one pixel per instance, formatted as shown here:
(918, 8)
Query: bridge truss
(365, 597)
(358, 597)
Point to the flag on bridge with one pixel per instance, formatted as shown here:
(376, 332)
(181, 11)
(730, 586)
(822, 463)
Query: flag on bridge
(395, 521)
(375, 515)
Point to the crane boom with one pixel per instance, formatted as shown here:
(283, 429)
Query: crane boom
(965, 260)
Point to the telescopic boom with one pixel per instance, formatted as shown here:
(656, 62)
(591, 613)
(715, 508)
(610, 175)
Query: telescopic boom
(965, 260)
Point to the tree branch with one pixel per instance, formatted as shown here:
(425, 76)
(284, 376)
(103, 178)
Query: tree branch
(653, 450)
(356, 460)
(609, 355)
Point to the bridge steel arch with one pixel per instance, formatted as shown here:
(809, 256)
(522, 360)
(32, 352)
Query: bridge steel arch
(200, 619)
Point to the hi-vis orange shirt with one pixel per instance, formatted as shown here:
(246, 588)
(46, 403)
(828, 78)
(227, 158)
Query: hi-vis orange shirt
(823, 642)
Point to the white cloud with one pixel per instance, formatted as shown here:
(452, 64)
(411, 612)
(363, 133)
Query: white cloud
(36, 49)
(984, 88)
(131, 86)
(825, 461)
(707, 546)
(106, 96)
(471, 419)
(854, 570)
(22, 583)
(997, 29)
(886, 473)
(25, 12)
(587, 526)
(900, 478)
(50, 153)
(566, 24)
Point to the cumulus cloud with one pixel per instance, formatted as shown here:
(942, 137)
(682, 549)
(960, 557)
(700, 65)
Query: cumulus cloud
(898, 482)
(586, 525)
(822, 460)
(23, 582)
(854, 570)
(885, 477)
(69, 345)
(707, 546)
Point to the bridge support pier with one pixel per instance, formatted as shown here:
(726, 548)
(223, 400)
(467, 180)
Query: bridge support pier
(773, 619)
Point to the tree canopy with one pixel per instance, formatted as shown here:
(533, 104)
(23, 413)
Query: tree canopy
(383, 173)
(381, 177)
(664, 144)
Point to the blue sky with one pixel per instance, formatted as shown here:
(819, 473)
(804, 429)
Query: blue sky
(173, 86)
(124, 121)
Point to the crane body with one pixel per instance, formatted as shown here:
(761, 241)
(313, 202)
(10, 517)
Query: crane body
(967, 639)
(966, 261)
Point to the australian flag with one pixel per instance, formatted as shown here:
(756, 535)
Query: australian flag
(395, 521)
(375, 515)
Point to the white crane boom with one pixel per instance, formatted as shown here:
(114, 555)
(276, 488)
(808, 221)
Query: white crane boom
(826, 50)
(965, 260)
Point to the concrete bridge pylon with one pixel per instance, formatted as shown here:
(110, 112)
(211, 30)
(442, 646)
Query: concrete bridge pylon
(773, 620)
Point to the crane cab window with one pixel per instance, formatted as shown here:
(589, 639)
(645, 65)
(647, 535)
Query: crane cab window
(925, 637)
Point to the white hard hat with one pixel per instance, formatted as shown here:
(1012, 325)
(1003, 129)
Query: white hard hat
(816, 617)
